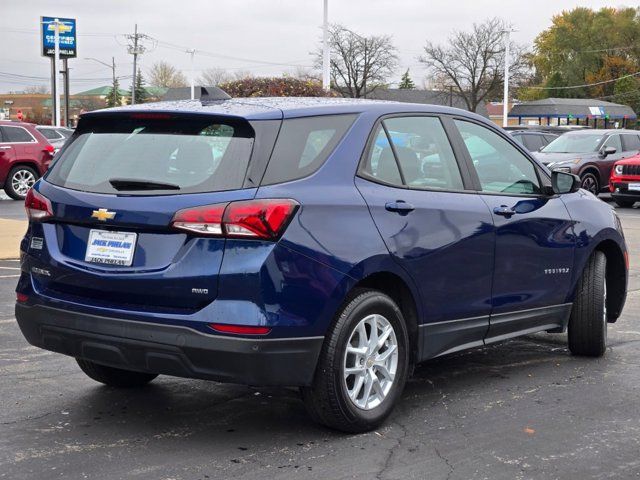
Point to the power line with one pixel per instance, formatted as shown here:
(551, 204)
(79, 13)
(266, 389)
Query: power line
(586, 84)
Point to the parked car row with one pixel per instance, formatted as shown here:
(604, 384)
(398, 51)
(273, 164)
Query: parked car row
(26, 150)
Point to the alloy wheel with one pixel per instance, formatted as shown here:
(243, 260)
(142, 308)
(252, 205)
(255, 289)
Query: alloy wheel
(22, 181)
(370, 362)
(590, 184)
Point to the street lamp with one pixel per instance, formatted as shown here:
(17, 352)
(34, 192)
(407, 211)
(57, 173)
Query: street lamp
(113, 69)
(505, 99)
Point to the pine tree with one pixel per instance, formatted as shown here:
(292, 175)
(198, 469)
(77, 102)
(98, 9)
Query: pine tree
(141, 92)
(117, 100)
(405, 82)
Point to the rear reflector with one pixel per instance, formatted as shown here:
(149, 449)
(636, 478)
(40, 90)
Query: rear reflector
(262, 219)
(21, 297)
(239, 329)
(37, 205)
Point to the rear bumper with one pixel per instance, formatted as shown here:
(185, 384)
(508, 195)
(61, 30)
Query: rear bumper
(170, 350)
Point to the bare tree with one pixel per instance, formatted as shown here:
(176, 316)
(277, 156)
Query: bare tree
(163, 74)
(214, 76)
(242, 74)
(359, 64)
(472, 64)
(306, 74)
(36, 89)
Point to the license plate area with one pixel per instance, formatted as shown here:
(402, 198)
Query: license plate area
(635, 187)
(111, 248)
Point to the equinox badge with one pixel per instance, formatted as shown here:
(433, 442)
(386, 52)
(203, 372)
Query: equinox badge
(103, 214)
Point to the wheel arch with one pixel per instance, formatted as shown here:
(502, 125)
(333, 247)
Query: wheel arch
(398, 289)
(593, 170)
(616, 277)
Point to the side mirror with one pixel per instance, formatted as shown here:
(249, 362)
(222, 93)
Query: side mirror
(607, 151)
(563, 182)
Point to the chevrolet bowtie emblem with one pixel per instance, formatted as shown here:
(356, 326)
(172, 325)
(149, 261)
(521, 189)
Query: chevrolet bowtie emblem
(103, 214)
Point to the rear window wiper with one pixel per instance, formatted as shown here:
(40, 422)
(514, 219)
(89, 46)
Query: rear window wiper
(134, 184)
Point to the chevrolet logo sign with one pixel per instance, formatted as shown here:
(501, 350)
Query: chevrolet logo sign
(103, 214)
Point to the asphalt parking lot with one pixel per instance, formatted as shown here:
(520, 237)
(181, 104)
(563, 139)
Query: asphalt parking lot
(524, 409)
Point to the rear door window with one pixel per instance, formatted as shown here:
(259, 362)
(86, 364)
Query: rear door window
(303, 145)
(17, 135)
(421, 150)
(631, 141)
(533, 143)
(142, 154)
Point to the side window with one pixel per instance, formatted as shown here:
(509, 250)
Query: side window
(631, 141)
(533, 143)
(424, 154)
(500, 166)
(518, 138)
(549, 138)
(303, 145)
(381, 164)
(613, 141)
(49, 134)
(17, 135)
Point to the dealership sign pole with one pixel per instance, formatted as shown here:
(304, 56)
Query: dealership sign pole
(58, 42)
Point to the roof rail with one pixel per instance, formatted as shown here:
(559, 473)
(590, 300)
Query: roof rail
(212, 94)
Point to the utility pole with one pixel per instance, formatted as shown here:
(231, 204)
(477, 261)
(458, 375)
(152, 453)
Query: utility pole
(505, 99)
(192, 52)
(135, 48)
(326, 82)
(65, 73)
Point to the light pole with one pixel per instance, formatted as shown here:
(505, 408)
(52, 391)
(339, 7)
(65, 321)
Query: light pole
(505, 99)
(192, 52)
(56, 76)
(326, 83)
(113, 70)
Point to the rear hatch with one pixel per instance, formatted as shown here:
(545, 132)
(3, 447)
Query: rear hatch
(114, 192)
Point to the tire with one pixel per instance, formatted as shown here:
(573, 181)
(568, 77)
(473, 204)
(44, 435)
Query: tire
(624, 203)
(327, 400)
(114, 377)
(587, 331)
(19, 181)
(590, 182)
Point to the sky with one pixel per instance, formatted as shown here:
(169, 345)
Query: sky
(266, 37)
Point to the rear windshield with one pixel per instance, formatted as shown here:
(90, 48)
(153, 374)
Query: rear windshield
(155, 154)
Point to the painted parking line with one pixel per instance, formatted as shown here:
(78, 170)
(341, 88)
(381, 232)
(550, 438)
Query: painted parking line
(7, 321)
(9, 268)
(9, 276)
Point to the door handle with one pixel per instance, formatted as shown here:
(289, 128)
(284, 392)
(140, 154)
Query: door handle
(399, 206)
(504, 211)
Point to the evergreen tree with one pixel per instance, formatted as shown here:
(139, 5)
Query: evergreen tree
(405, 82)
(114, 101)
(141, 92)
(554, 84)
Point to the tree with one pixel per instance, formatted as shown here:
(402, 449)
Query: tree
(114, 100)
(587, 46)
(274, 87)
(358, 64)
(405, 82)
(163, 74)
(627, 92)
(473, 62)
(213, 76)
(141, 92)
(37, 89)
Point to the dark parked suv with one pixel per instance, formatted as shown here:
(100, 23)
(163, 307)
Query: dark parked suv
(24, 156)
(590, 154)
(328, 244)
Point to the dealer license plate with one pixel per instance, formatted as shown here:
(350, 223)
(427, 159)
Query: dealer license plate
(111, 248)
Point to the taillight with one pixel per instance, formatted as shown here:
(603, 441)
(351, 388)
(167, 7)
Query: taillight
(264, 219)
(21, 297)
(205, 220)
(50, 149)
(37, 205)
(239, 329)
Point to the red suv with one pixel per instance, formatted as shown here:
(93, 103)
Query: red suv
(25, 154)
(624, 183)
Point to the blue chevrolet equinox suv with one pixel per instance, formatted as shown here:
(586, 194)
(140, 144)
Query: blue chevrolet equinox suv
(327, 244)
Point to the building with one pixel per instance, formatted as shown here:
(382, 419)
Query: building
(574, 111)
